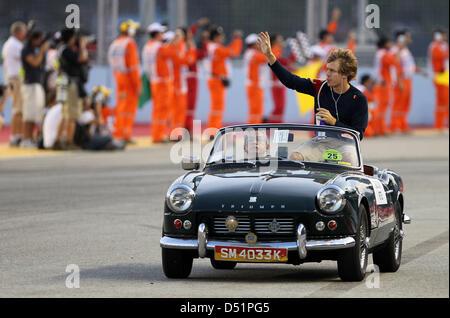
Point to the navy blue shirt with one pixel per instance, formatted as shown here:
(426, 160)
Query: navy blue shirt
(32, 74)
(351, 111)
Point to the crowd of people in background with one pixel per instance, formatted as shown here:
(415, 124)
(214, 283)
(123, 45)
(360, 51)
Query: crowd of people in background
(46, 76)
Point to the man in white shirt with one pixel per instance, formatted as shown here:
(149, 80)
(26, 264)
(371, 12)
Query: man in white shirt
(11, 54)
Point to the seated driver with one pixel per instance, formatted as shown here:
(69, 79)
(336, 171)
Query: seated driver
(317, 149)
(256, 144)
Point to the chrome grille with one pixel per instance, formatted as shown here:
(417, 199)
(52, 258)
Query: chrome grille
(258, 225)
(286, 225)
(243, 225)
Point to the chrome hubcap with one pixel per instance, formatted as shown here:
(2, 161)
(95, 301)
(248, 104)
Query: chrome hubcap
(363, 247)
(397, 238)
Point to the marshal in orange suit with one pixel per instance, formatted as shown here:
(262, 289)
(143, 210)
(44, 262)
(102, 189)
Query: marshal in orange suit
(218, 80)
(157, 58)
(385, 61)
(254, 59)
(184, 54)
(438, 53)
(124, 60)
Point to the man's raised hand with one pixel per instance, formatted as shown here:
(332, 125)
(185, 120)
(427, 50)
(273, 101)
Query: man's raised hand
(265, 48)
(264, 43)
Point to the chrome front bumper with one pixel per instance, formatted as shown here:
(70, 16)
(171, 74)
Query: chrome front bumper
(301, 245)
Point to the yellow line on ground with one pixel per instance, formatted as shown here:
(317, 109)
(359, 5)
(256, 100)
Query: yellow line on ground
(16, 152)
(141, 142)
(429, 132)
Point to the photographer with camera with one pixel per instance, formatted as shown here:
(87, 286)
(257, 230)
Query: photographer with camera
(73, 57)
(91, 132)
(33, 61)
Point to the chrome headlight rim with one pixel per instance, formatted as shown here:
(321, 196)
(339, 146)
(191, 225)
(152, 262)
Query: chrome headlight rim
(338, 207)
(188, 190)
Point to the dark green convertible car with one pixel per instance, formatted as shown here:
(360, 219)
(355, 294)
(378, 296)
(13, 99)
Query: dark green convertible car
(284, 193)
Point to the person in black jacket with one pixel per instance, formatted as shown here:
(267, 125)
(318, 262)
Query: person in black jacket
(336, 101)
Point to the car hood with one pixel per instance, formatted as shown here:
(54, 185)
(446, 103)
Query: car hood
(280, 191)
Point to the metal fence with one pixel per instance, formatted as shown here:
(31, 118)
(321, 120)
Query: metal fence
(101, 17)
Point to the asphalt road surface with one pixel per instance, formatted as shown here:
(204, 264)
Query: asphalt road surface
(102, 212)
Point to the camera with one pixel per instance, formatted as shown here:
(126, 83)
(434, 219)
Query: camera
(2, 90)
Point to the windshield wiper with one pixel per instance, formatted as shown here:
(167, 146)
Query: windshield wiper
(223, 161)
(293, 162)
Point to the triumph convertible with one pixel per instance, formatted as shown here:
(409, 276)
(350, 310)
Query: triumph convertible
(284, 193)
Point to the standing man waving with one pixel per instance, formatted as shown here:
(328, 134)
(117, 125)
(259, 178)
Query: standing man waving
(336, 101)
(219, 73)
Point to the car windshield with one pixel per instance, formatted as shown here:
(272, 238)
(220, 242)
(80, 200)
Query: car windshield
(304, 144)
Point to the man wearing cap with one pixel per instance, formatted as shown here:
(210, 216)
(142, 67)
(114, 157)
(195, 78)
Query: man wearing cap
(403, 89)
(218, 73)
(156, 59)
(253, 59)
(123, 58)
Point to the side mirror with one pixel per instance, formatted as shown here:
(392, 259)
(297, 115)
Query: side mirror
(190, 163)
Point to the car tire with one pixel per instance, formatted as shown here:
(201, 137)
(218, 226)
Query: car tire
(389, 257)
(176, 263)
(352, 263)
(222, 264)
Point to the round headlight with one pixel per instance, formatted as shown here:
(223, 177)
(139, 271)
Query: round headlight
(180, 198)
(331, 199)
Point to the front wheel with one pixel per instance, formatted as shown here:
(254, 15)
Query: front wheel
(352, 263)
(389, 257)
(176, 263)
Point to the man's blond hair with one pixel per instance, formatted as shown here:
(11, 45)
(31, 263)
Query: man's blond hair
(16, 27)
(348, 65)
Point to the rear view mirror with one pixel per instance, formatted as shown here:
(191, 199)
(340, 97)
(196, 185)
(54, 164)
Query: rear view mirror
(283, 152)
(190, 163)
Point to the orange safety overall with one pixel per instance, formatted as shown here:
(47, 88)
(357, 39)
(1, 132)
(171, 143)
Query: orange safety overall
(217, 55)
(385, 61)
(124, 60)
(438, 53)
(156, 58)
(370, 130)
(181, 58)
(402, 94)
(253, 59)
